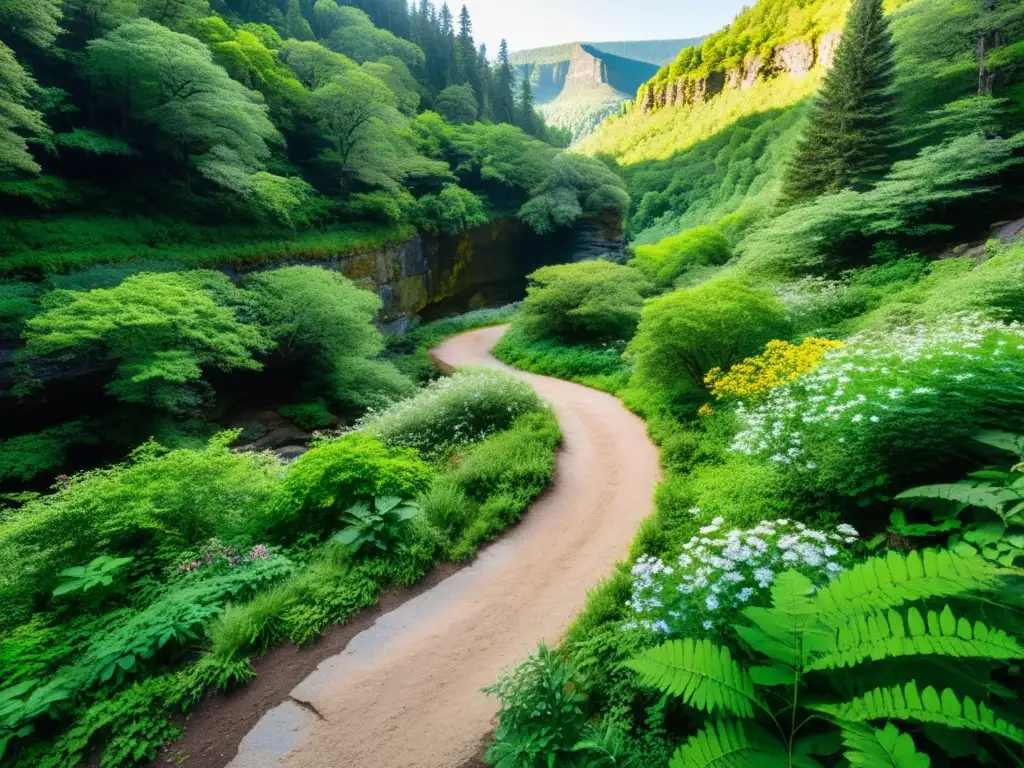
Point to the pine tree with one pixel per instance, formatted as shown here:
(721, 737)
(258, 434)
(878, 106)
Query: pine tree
(849, 134)
(525, 116)
(486, 82)
(502, 101)
(469, 70)
(447, 48)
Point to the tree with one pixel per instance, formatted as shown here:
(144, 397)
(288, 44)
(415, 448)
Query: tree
(502, 100)
(526, 118)
(175, 14)
(161, 329)
(315, 315)
(358, 39)
(33, 20)
(468, 64)
(453, 211)
(573, 186)
(16, 118)
(457, 103)
(314, 65)
(169, 83)
(393, 72)
(351, 111)
(849, 134)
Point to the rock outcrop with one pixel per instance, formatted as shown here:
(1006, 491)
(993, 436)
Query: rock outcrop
(794, 59)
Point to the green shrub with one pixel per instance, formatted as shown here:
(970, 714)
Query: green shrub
(161, 329)
(590, 301)
(358, 385)
(541, 718)
(687, 333)
(159, 497)
(452, 210)
(28, 456)
(667, 259)
(251, 627)
(310, 415)
(454, 411)
(337, 473)
(447, 506)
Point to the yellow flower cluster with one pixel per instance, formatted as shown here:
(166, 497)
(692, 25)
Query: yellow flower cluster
(779, 364)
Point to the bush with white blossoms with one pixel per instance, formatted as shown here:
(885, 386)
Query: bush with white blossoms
(453, 411)
(891, 403)
(719, 573)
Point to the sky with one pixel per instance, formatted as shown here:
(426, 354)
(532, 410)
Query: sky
(536, 23)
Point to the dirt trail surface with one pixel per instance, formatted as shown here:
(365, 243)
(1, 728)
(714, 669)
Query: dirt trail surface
(405, 693)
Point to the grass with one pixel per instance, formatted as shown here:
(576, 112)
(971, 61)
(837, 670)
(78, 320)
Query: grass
(598, 367)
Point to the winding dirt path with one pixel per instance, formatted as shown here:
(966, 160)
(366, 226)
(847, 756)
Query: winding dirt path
(406, 692)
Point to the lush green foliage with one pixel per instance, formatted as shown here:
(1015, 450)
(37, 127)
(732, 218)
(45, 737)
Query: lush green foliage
(686, 333)
(666, 260)
(454, 411)
(161, 330)
(590, 302)
(802, 639)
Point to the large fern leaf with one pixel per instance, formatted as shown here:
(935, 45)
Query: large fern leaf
(730, 745)
(886, 748)
(928, 706)
(702, 674)
(879, 636)
(891, 581)
(972, 494)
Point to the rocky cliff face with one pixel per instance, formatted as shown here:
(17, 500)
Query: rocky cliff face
(794, 59)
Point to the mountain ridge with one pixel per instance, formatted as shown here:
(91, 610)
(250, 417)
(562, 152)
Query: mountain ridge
(576, 85)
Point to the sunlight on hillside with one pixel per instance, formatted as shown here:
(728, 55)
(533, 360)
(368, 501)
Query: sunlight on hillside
(637, 137)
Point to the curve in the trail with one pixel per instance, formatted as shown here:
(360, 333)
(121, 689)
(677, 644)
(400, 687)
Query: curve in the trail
(406, 692)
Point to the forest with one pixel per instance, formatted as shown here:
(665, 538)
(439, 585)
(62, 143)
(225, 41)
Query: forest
(817, 320)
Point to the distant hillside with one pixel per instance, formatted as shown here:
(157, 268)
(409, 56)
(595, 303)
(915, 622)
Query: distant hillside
(576, 85)
(708, 137)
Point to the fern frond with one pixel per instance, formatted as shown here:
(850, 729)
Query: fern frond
(972, 494)
(729, 745)
(928, 706)
(886, 748)
(891, 581)
(886, 635)
(702, 674)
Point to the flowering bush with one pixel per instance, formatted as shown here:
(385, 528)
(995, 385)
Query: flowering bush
(779, 364)
(702, 591)
(454, 411)
(216, 552)
(890, 402)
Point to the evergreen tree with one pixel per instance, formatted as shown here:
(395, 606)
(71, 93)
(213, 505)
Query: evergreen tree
(447, 47)
(848, 139)
(468, 58)
(502, 101)
(486, 82)
(526, 118)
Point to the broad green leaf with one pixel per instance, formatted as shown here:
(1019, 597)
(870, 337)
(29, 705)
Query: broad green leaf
(886, 748)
